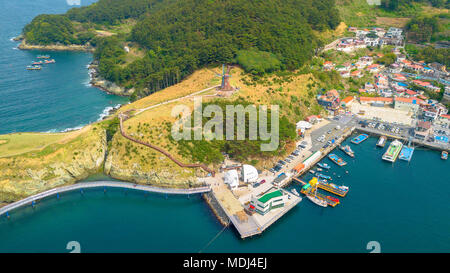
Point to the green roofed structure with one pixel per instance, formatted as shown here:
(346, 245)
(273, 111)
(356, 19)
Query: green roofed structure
(268, 201)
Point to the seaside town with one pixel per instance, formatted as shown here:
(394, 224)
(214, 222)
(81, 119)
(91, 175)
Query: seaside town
(394, 105)
(397, 103)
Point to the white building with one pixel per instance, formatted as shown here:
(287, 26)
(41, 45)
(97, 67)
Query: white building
(249, 173)
(232, 179)
(265, 203)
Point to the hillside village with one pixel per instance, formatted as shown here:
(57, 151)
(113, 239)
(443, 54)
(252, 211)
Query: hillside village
(420, 89)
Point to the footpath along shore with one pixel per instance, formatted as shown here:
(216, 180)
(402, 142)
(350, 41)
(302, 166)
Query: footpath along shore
(98, 184)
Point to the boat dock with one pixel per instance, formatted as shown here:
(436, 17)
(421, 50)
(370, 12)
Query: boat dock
(416, 142)
(320, 196)
(249, 225)
(329, 188)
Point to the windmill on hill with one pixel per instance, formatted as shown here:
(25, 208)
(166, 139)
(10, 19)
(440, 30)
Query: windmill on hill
(225, 85)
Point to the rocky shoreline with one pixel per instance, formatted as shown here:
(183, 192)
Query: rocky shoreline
(109, 87)
(95, 79)
(25, 46)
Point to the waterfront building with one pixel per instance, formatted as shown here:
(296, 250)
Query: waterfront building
(231, 178)
(422, 130)
(268, 201)
(249, 173)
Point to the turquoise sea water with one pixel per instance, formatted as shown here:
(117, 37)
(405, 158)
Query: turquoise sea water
(404, 206)
(52, 99)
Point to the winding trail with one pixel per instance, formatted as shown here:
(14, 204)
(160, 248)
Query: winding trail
(97, 184)
(161, 150)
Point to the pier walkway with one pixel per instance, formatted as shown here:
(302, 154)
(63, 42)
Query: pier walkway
(97, 184)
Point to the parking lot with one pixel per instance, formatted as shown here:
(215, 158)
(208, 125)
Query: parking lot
(387, 114)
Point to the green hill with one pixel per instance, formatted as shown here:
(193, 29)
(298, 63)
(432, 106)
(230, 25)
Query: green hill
(180, 36)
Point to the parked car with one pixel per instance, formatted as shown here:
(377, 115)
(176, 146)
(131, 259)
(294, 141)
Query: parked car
(262, 181)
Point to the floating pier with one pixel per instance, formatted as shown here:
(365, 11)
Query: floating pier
(406, 153)
(329, 188)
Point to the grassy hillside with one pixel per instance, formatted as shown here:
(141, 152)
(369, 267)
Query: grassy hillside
(31, 163)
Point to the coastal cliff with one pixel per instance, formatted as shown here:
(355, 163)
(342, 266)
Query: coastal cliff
(73, 157)
(105, 85)
(55, 47)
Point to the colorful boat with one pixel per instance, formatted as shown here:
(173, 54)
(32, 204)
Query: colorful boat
(381, 141)
(324, 165)
(334, 199)
(37, 63)
(52, 61)
(33, 67)
(43, 57)
(336, 159)
(346, 149)
(393, 151)
(444, 155)
(319, 175)
(360, 138)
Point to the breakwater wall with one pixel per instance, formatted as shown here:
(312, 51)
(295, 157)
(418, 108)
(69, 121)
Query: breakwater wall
(97, 184)
(216, 208)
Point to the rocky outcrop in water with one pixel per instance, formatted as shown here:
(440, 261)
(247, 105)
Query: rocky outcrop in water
(25, 46)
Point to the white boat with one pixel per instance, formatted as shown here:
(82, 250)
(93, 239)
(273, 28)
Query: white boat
(295, 192)
(317, 201)
(319, 169)
(381, 141)
(393, 150)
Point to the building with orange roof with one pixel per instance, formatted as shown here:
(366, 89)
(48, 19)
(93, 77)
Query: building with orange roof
(376, 101)
(407, 104)
(347, 101)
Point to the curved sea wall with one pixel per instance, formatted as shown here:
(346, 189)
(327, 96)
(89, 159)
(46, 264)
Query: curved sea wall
(98, 184)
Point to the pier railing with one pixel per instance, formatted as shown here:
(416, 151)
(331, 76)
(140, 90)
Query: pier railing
(97, 184)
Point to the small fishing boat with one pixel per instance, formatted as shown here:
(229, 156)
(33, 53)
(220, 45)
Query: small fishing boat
(319, 169)
(346, 149)
(334, 199)
(444, 155)
(319, 175)
(37, 63)
(52, 61)
(360, 138)
(311, 171)
(295, 192)
(43, 57)
(317, 201)
(33, 67)
(324, 165)
(336, 159)
(381, 141)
